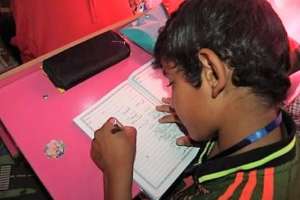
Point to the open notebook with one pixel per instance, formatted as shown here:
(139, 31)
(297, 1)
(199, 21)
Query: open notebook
(159, 161)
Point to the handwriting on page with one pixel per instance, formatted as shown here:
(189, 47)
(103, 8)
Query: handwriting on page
(155, 142)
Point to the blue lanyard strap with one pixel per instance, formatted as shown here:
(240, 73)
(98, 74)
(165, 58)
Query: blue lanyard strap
(257, 135)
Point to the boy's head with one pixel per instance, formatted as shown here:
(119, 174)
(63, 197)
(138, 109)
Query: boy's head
(207, 41)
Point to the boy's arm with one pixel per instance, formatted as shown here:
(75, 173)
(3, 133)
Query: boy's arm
(113, 151)
(117, 186)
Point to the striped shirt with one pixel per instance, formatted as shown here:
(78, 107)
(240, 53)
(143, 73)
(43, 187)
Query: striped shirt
(269, 172)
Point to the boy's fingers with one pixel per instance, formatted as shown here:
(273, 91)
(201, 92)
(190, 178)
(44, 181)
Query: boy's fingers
(183, 141)
(166, 100)
(131, 133)
(165, 108)
(168, 119)
(95, 152)
(106, 127)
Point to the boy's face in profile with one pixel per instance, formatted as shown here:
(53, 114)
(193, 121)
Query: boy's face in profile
(193, 106)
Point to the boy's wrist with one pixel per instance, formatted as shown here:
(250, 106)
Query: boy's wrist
(123, 169)
(122, 173)
(118, 184)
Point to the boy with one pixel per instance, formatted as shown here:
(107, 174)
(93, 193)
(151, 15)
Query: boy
(227, 63)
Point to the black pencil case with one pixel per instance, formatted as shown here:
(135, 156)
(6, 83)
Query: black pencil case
(82, 61)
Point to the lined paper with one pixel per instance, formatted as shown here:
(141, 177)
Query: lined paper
(159, 161)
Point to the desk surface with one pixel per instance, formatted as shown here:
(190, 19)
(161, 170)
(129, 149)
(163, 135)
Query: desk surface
(33, 121)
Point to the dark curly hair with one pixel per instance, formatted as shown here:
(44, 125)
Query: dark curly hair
(246, 34)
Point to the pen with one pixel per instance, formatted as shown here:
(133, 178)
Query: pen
(117, 126)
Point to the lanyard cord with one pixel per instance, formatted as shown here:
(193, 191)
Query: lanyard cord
(257, 135)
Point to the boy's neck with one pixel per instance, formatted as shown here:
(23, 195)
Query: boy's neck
(240, 119)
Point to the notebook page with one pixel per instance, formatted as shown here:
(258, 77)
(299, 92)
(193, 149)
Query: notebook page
(150, 82)
(159, 161)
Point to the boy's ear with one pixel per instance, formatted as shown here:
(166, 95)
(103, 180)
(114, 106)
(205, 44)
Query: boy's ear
(215, 71)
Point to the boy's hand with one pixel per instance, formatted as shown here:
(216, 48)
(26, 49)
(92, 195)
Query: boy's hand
(114, 153)
(171, 117)
(184, 141)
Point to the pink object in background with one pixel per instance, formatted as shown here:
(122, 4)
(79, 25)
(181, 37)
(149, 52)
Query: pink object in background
(42, 26)
(289, 12)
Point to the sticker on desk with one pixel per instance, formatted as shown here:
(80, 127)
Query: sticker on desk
(54, 149)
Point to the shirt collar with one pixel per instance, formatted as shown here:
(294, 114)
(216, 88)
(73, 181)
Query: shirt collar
(267, 156)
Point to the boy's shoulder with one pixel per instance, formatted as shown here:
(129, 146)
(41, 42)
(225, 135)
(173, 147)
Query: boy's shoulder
(278, 182)
(255, 174)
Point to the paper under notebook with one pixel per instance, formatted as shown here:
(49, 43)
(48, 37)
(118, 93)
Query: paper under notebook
(159, 161)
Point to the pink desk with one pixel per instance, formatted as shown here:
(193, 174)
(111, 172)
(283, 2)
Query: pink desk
(33, 121)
